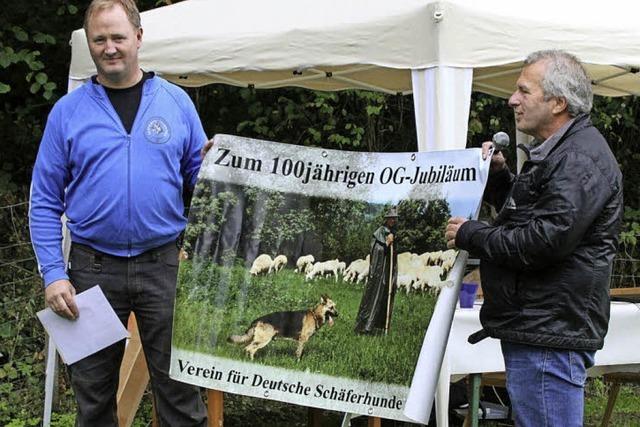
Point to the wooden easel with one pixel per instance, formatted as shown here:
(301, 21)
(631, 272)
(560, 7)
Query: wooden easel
(215, 408)
(134, 377)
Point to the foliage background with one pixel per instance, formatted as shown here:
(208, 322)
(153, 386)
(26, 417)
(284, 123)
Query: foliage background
(228, 221)
(34, 59)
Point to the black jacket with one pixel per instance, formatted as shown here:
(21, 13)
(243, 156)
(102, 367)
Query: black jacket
(546, 261)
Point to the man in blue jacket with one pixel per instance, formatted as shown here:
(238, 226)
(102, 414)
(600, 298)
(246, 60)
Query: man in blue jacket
(546, 260)
(114, 157)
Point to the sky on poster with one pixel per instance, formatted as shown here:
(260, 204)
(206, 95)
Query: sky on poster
(373, 177)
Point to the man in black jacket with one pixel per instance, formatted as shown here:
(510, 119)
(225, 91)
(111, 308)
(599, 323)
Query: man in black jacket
(546, 261)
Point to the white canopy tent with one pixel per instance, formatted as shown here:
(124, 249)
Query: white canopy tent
(437, 50)
(431, 48)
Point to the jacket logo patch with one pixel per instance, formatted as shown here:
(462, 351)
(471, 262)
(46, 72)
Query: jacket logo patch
(157, 131)
(511, 204)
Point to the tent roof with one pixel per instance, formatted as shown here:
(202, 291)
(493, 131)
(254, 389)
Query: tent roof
(373, 44)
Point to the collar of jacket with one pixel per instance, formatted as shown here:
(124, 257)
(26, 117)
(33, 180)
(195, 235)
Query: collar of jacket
(149, 87)
(541, 151)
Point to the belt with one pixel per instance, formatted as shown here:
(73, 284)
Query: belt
(150, 255)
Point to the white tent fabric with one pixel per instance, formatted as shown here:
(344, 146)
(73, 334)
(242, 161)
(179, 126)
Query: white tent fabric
(441, 101)
(437, 49)
(382, 45)
(376, 44)
(372, 44)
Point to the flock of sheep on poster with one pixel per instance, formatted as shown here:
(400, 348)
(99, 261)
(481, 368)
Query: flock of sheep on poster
(416, 273)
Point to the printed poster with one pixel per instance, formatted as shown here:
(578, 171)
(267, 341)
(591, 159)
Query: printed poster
(310, 275)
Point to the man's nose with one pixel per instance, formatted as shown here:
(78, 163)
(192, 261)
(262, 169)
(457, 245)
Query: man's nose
(110, 47)
(513, 100)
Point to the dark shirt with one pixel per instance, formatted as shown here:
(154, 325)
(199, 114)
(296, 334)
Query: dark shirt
(127, 100)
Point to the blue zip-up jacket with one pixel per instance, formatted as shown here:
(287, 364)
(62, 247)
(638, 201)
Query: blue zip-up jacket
(122, 193)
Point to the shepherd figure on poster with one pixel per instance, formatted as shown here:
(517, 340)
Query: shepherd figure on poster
(376, 306)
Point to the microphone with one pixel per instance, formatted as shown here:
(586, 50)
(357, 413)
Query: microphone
(500, 141)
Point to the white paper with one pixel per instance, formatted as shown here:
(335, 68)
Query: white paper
(97, 327)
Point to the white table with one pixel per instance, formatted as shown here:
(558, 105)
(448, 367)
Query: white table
(620, 352)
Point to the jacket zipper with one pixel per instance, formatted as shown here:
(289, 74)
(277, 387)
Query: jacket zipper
(129, 192)
(112, 112)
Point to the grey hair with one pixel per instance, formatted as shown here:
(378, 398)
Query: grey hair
(564, 77)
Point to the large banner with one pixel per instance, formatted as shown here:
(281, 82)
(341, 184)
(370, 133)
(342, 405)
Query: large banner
(310, 276)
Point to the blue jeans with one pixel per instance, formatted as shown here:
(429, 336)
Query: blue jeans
(546, 385)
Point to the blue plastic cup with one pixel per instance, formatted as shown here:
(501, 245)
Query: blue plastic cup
(468, 294)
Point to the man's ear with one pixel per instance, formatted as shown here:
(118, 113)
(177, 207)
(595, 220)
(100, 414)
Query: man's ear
(560, 105)
(139, 37)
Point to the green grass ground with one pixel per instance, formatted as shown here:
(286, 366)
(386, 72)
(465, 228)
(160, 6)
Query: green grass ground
(627, 408)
